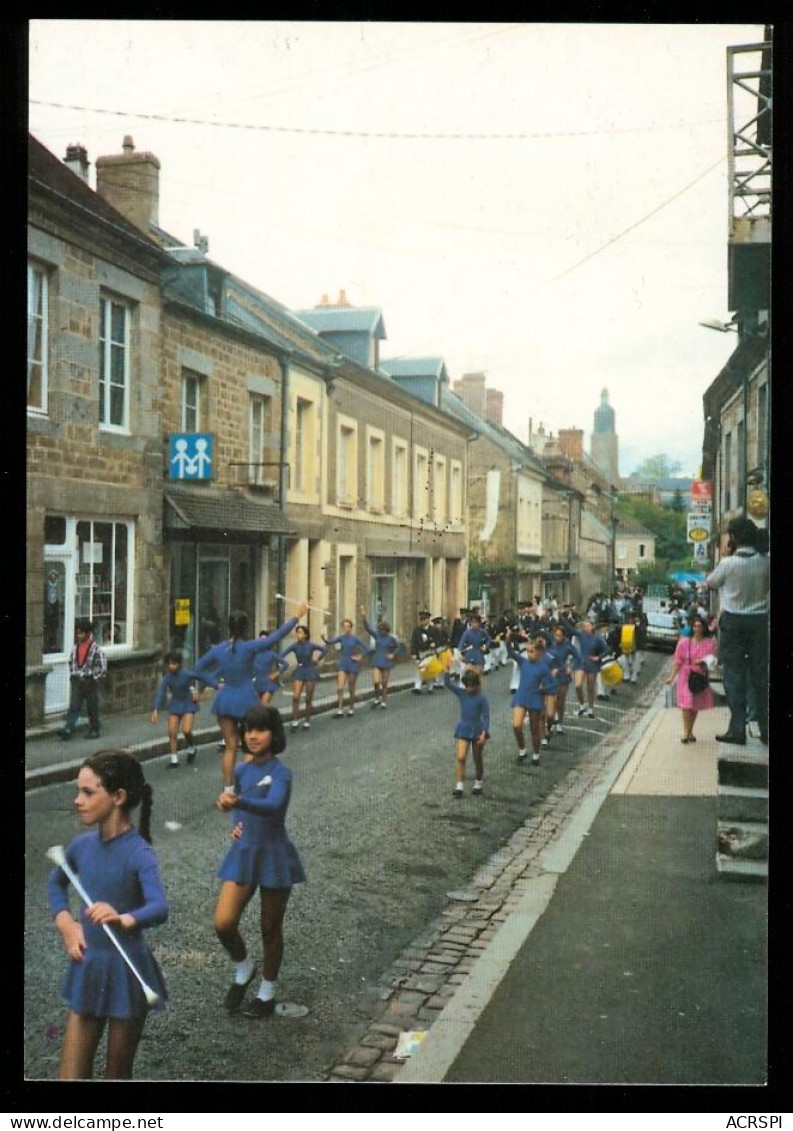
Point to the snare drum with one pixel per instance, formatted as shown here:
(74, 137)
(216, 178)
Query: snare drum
(611, 673)
(430, 668)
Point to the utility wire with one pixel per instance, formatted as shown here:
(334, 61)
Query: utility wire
(392, 134)
(636, 224)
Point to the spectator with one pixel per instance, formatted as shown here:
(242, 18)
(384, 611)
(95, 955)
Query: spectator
(743, 579)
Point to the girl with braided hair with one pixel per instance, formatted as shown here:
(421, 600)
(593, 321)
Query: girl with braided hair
(118, 868)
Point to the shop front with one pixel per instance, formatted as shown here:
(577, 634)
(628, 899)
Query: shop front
(88, 575)
(222, 551)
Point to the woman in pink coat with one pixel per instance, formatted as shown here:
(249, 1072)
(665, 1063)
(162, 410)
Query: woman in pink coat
(689, 656)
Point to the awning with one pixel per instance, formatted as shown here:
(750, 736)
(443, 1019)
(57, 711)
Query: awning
(235, 514)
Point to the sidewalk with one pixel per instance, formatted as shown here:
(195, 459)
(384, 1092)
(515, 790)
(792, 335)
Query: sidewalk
(630, 960)
(48, 759)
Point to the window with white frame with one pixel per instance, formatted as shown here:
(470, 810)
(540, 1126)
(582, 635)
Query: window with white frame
(257, 414)
(375, 470)
(38, 292)
(421, 483)
(439, 490)
(304, 475)
(399, 478)
(114, 368)
(347, 462)
(192, 394)
(104, 591)
(456, 492)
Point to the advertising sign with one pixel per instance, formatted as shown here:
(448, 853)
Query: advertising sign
(698, 527)
(701, 553)
(181, 610)
(701, 490)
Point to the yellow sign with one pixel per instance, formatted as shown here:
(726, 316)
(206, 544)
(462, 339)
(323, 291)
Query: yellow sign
(757, 503)
(698, 534)
(181, 610)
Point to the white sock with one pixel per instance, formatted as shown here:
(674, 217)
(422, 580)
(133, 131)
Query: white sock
(243, 971)
(521, 753)
(266, 990)
(478, 783)
(459, 787)
(175, 758)
(229, 789)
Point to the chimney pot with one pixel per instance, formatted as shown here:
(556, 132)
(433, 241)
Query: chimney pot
(343, 299)
(128, 144)
(76, 159)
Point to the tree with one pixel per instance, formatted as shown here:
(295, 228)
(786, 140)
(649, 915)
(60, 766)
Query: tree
(658, 467)
(668, 526)
(678, 502)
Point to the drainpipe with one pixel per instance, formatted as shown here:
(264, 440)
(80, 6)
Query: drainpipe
(282, 486)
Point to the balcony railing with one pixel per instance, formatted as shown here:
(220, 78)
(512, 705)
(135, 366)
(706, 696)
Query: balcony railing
(750, 109)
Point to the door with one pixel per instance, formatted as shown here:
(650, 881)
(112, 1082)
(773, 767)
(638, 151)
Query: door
(381, 602)
(58, 626)
(213, 601)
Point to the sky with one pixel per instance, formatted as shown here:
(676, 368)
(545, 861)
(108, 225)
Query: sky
(580, 254)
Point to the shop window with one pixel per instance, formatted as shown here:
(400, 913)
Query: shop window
(37, 339)
(104, 577)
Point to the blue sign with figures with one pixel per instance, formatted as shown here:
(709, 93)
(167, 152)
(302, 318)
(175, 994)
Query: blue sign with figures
(190, 456)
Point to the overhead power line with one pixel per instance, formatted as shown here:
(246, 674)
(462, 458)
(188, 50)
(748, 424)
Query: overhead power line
(393, 134)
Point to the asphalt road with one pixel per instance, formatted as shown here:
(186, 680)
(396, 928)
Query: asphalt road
(382, 840)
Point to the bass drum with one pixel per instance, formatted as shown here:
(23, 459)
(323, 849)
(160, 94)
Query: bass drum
(611, 673)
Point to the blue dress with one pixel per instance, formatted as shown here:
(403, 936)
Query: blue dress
(233, 662)
(349, 645)
(535, 676)
(385, 643)
(592, 647)
(306, 670)
(263, 664)
(124, 873)
(474, 711)
(264, 855)
(179, 685)
(559, 654)
(472, 641)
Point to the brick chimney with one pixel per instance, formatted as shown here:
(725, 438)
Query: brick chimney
(76, 159)
(571, 443)
(471, 390)
(130, 181)
(494, 404)
(343, 299)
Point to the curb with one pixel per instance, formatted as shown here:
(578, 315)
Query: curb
(157, 747)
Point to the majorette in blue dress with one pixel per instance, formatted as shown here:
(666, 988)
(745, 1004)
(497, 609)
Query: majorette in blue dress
(264, 665)
(591, 644)
(559, 654)
(350, 646)
(264, 855)
(123, 872)
(385, 645)
(472, 641)
(179, 684)
(232, 661)
(306, 670)
(535, 680)
(474, 711)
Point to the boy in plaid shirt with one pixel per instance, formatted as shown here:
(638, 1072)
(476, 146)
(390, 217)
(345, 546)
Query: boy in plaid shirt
(87, 665)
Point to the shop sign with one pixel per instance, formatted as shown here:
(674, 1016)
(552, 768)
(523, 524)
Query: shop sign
(181, 610)
(701, 490)
(700, 553)
(698, 527)
(190, 456)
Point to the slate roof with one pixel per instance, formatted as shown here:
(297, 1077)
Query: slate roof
(223, 508)
(49, 172)
(628, 525)
(415, 367)
(496, 433)
(344, 319)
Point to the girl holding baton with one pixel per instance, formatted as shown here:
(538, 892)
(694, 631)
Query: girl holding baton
(117, 866)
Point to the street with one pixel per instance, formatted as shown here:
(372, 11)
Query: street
(382, 841)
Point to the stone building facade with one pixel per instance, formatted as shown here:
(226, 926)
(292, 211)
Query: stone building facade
(94, 472)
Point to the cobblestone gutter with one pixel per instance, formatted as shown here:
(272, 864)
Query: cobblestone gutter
(425, 976)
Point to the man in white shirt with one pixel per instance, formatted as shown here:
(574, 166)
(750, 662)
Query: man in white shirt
(743, 579)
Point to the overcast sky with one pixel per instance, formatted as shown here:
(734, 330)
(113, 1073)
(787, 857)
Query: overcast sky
(466, 245)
